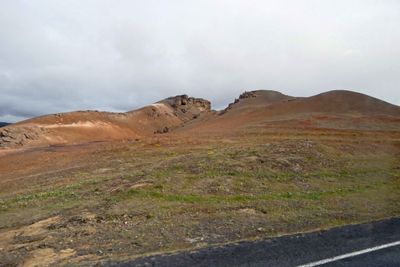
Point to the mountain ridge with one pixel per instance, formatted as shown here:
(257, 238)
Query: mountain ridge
(181, 113)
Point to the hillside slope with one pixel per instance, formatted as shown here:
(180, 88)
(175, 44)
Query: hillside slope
(339, 109)
(265, 109)
(81, 126)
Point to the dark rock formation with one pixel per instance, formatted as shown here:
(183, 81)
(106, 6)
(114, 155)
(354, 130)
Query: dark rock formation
(258, 97)
(188, 108)
(247, 95)
(163, 130)
(186, 102)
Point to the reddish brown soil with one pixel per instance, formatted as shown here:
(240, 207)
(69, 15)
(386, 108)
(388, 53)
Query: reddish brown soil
(333, 110)
(88, 186)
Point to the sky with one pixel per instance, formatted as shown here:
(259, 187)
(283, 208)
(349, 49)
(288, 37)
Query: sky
(119, 55)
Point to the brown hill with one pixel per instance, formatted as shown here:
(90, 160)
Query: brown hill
(333, 102)
(340, 102)
(182, 114)
(256, 99)
(80, 126)
(339, 109)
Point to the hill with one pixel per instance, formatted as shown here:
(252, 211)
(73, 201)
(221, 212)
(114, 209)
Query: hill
(339, 109)
(84, 126)
(253, 110)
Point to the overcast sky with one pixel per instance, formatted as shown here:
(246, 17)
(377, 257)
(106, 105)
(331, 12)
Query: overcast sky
(117, 55)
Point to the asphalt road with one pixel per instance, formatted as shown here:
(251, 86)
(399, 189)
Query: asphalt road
(385, 257)
(372, 244)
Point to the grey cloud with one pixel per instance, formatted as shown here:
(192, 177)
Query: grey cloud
(119, 55)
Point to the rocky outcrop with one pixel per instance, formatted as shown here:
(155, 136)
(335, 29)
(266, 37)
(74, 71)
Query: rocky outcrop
(188, 108)
(185, 102)
(247, 94)
(257, 97)
(162, 131)
(18, 135)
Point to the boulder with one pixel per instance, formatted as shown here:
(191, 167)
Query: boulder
(18, 136)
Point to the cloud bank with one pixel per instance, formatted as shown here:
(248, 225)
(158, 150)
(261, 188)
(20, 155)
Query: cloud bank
(118, 55)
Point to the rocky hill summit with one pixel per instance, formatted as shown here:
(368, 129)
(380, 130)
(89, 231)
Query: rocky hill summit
(183, 114)
(257, 98)
(188, 108)
(83, 126)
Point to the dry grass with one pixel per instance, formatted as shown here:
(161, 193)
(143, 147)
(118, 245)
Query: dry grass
(125, 199)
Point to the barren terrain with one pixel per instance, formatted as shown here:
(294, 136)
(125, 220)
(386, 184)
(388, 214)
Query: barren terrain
(266, 166)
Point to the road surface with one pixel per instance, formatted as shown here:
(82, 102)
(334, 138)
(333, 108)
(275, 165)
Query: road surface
(371, 244)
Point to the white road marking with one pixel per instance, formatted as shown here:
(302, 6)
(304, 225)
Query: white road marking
(349, 255)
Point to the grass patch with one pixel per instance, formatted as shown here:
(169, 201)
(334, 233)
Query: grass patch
(193, 199)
